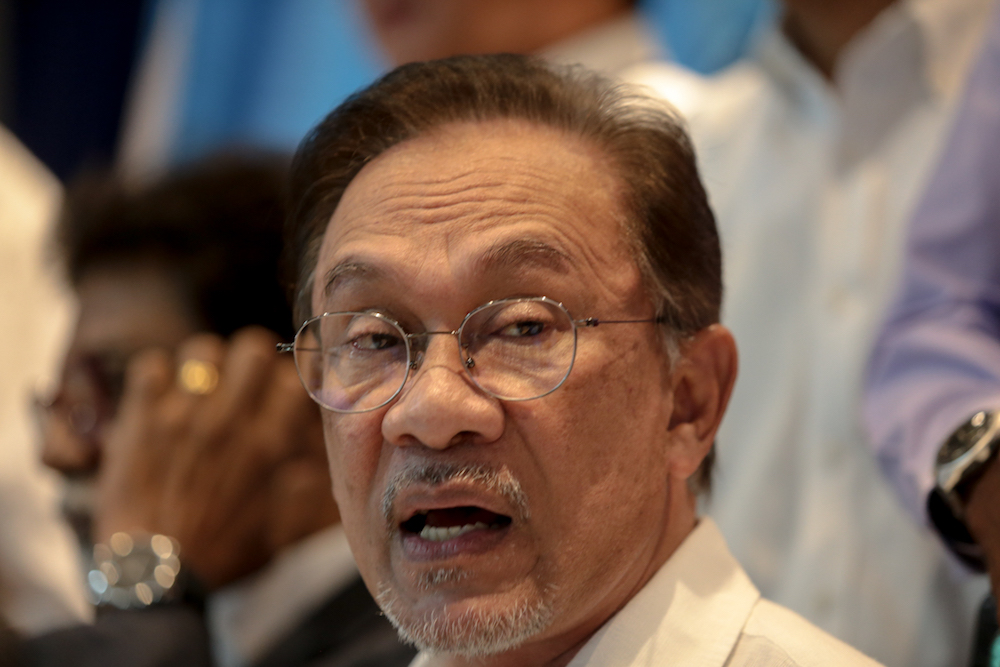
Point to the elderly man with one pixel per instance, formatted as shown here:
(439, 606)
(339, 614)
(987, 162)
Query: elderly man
(526, 496)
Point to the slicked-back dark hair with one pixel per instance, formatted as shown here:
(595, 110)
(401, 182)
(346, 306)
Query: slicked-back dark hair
(670, 225)
(214, 227)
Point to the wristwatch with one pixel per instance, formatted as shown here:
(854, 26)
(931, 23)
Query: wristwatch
(136, 571)
(961, 461)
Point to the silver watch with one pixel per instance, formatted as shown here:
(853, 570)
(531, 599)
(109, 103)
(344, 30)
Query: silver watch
(134, 571)
(963, 456)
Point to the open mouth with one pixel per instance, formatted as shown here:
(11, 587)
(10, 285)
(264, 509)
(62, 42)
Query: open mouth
(438, 525)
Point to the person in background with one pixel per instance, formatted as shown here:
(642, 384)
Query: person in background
(607, 36)
(814, 151)
(933, 388)
(219, 460)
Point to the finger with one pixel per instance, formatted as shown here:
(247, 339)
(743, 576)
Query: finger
(205, 353)
(243, 369)
(147, 377)
(148, 380)
(198, 372)
(249, 361)
(187, 413)
(287, 414)
(135, 449)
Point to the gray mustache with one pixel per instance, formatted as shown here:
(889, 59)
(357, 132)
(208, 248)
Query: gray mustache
(499, 481)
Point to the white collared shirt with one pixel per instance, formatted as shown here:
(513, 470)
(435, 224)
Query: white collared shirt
(700, 609)
(248, 618)
(812, 185)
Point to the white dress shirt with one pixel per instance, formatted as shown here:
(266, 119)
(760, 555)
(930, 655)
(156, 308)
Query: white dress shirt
(247, 618)
(812, 183)
(701, 610)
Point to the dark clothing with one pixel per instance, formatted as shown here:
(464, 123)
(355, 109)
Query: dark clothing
(348, 631)
(163, 636)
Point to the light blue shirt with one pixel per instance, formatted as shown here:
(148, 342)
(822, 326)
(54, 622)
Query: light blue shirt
(937, 360)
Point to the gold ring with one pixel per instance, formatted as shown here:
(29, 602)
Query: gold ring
(198, 377)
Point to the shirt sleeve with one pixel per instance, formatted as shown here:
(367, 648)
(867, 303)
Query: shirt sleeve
(937, 359)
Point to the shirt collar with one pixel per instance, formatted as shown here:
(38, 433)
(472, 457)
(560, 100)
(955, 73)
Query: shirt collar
(916, 52)
(609, 48)
(691, 612)
(246, 618)
(953, 32)
(947, 34)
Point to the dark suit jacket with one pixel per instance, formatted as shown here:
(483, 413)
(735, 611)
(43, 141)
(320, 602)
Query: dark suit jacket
(347, 631)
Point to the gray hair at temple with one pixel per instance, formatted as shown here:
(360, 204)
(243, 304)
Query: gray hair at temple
(669, 227)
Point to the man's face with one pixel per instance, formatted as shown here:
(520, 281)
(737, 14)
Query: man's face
(123, 308)
(414, 30)
(560, 503)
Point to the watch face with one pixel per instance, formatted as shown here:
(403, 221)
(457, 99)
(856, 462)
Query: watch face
(964, 438)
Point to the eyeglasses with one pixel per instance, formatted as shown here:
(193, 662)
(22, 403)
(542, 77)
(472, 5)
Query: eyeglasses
(512, 349)
(87, 397)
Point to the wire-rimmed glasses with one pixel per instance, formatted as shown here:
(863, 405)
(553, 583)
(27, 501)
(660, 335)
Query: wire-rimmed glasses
(513, 349)
(87, 397)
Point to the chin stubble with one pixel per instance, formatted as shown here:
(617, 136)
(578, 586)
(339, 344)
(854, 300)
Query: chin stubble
(474, 632)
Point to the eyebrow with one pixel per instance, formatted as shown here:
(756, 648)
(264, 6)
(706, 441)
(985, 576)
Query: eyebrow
(348, 271)
(524, 252)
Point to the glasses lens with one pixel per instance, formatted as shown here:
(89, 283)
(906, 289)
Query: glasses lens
(520, 348)
(351, 362)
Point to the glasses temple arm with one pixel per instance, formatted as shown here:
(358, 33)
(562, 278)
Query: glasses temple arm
(594, 321)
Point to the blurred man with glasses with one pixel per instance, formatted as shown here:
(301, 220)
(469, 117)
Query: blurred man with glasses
(526, 496)
(195, 461)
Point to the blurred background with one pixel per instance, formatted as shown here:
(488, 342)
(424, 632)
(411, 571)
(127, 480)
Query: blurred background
(79, 80)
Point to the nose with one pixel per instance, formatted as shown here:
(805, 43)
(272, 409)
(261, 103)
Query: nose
(441, 407)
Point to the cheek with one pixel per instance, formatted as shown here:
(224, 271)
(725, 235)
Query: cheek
(609, 454)
(353, 445)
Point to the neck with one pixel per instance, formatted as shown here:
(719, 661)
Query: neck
(821, 29)
(560, 649)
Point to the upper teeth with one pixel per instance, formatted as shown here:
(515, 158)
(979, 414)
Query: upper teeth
(442, 533)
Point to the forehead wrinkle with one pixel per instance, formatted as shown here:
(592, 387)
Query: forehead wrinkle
(486, 184)
(407, 191)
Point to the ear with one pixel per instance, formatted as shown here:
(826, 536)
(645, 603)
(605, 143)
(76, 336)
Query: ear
(702, 383)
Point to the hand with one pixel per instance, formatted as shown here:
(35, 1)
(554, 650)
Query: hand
(982, 515)
(221, 472)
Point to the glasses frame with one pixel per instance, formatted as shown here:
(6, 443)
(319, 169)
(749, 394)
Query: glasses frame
(413, 360)
(86, 415)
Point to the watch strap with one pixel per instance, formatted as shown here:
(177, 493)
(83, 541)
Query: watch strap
(954, 532)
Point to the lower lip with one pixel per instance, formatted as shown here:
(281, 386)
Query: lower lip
(474, 542)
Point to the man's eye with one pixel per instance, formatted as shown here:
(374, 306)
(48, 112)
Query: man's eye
(375, 341)
(521, 329)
